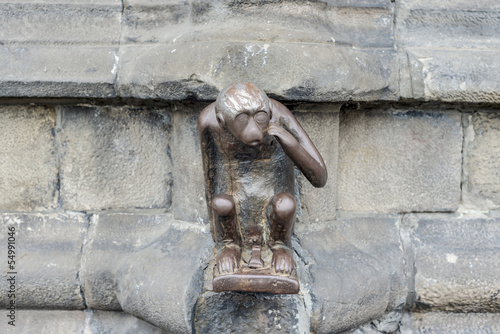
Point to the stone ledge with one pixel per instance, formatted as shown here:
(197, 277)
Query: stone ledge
(450, 75)
(301, 71)
(58, 71)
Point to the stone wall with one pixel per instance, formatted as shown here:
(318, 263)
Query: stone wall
(101, 177)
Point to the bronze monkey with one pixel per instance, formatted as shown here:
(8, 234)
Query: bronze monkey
(249, 145)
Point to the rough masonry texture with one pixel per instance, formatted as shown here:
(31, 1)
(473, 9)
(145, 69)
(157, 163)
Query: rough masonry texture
(100, 165)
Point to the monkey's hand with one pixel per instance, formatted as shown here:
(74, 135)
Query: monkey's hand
(285, 138)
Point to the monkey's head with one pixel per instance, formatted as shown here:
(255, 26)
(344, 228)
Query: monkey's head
(244, 110)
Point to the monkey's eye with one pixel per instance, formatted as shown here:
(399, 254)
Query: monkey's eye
(261, 117)
(241, 119)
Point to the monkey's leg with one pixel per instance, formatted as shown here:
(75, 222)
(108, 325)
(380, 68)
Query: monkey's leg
(225, 228)
(282, 221)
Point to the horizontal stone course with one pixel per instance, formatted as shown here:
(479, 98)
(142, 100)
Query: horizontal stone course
(451, 323)
(58, 71)
(65, 23)
(362, 24)
(360, 74)
(199, 48)
(450, 75)
(448, 23)
(78, 322)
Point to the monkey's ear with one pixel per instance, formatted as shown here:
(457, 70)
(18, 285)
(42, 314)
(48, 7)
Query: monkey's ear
(220, 120)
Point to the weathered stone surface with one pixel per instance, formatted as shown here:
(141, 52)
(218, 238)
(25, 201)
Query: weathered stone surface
(58, 71)
(27, 140)
(356, 271)
(100, 322)
(451, 323)
(451, 75)
(250, 313)
(56, 322)
(333, 50)
(388, 324)
(321, 123)
(456, 261)
(481, 182)
(60, 22)
(364, 24)
(188, 202)
(321, 72)
(399, 160)
(148, 265)
(448, 50)
(448, 23)
(115, 158)
(77, 322)
(47, 259)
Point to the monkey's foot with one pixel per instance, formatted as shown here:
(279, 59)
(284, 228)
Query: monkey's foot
(282, 261)
(228, 259)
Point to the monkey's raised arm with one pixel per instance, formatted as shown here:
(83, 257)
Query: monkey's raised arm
(297, 144)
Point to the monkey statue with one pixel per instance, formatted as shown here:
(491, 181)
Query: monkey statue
(250, 144)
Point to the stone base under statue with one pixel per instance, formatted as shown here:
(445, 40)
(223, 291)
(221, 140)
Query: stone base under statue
(256, 280)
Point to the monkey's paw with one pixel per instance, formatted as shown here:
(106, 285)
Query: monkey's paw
(228, 259)
(282, 261)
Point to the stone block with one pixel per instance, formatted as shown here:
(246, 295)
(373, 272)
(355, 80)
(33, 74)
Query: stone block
(399, 160)
(321, 123)
(451, 75)
(189, 203)
(115, 157)
(58, 71)
(81, 322)
(355, 267)
(100, 322)
(47, 259)
(456, 261)
(62, 22)
(27, 140)
(338, 73)
(449, 23)
(481, 183)
(250, 313)
(451, 323)
(55, 322)
(389, 323)
(364, 24)
(149, 266)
